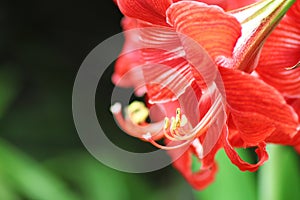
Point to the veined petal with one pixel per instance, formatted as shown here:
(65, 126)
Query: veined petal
(281, 51)
(152, 11)
(258, 20)
(241, 164)
(257, 109)
(295, 10)
(210, 26)
(282, 139)
(170, 67)
(167, 73)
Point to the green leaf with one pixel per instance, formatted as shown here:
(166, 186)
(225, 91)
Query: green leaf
(29, 178)
(96, 181)
(6, 191)
(93, 180)
(230, 183)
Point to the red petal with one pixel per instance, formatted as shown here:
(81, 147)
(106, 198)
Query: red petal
(126, 73)
(295, 10)
(167, 73)
(257, 109)
(242, 165)
(152, 11)
(235, 4)
(229, 4)
(296, 105)
(212, 143)
(170, 67)
(210, 26)
(282, 50)
(284, 139)
(198, 180)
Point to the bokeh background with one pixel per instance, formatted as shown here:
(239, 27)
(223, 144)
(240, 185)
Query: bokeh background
(42, 45)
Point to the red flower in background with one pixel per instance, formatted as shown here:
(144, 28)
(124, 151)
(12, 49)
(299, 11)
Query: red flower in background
(180, 53)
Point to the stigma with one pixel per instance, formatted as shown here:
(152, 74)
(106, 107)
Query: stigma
(137, 112)
(134, 121)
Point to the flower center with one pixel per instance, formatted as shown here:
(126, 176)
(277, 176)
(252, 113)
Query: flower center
(177, 130)
(171, 129)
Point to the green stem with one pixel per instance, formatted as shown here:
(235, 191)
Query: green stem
(268, 179)
(279, 177)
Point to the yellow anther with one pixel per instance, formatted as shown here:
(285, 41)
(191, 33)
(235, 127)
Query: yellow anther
(173, 124)
(178, 117)
(167, 123)
(137, 112)
(178, 112)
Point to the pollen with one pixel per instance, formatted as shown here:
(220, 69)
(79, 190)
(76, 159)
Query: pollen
(137, 112)
(171, 128)
(167, 123)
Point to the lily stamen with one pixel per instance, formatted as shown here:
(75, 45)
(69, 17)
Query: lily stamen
(179, 134)
(176, 122)
(177, 130)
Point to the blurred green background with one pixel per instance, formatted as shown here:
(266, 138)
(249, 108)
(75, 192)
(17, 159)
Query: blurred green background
(42, 45)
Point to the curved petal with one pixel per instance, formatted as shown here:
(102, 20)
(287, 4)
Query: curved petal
(210, 26)
(167, 72)
(152, 11)
(173, 65)
(284, 139)
(257, 109)
(198, 180)
(282, 50)
(242, 165)
(126, 71)
(211, 143)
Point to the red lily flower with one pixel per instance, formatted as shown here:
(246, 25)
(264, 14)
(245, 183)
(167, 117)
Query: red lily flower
(196, 43)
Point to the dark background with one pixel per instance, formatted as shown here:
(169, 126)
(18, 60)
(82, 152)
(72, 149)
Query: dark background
(42, 45)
